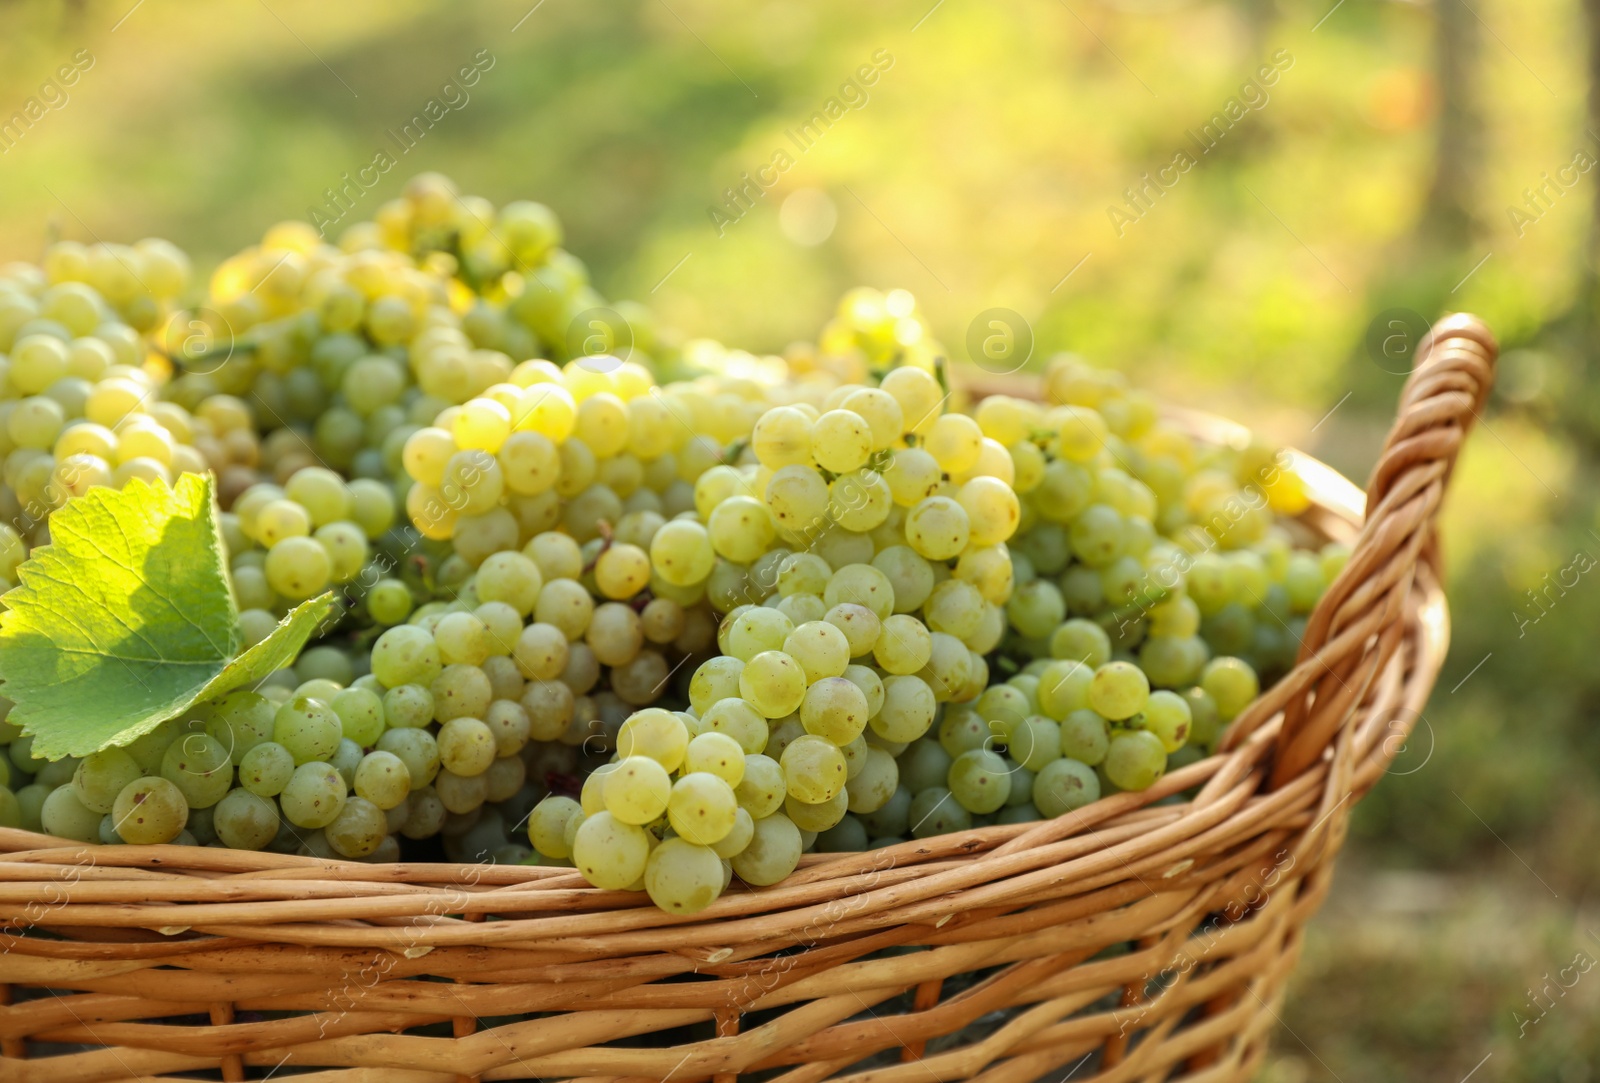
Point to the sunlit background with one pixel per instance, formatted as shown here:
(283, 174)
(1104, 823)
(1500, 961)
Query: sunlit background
(1425, 157)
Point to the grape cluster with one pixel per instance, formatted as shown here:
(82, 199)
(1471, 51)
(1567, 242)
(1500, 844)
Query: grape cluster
(292, 542)
(666, 631)
(78, 401)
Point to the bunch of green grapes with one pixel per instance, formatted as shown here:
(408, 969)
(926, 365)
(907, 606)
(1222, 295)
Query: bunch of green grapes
(305, 768)
(293, 542)
(859, 561)
(517, 289)
(79, 401)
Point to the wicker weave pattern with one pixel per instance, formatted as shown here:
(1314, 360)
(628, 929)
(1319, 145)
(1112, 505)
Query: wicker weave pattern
(177, 963)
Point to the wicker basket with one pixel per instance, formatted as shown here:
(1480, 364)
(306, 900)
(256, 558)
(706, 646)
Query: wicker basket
(1132, 940)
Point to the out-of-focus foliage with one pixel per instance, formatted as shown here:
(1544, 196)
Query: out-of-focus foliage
(988, 163)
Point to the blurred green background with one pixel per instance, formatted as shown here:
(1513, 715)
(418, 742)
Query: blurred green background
(1387, 165)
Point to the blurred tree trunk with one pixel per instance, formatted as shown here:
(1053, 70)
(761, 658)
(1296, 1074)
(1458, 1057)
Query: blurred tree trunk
(1591, 253)
(1451, 213)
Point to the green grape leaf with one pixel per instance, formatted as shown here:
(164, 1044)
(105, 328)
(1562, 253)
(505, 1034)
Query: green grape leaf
(126, 619)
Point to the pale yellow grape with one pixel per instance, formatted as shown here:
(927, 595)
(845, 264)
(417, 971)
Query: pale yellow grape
(918, 394)
(912, 476)
(610, 853)
(245, 821)
(773, 683)
(35, 422)
(992, 508)
(683, 878)
(1080, 433)
(859, 500)
(874, 784)
(462, 639)
(994, 461)
(734, 842)
(947, 671)
(314, 796)
(656, 733)
(149, 810)
(783, 731)
(798, 498)
(715, 753)
(482, 424)
(321, 492)
(662, 620)
(989, 570)
(738, 720)
(715, 680)
(466, 746)
(910, 576)
(430, 513)
(502, 624)
(860, 625)
(551, 706)
(547, 409)
(78, 473)
(955, 441)
(741, 529)
(802, 608)
(908, 709)
(622, 571)
(346, 546)
(821, 649)
(614, 634)
(460, 691)
(954, 607)
(577, 468)
(372, 506)
(1007, 419)
(512, 578)
(530, 463)
(772, 853)
(541, 652)
(716, 485)
(88, 438)
(702, 808)
(602, 423)
(280, 519)
(841, 441)
(813, 769)
(511, 724)
(425, 454)
(1028, 466)
(565, 604)
(547, 825)
(557, 555)
(638, 790)
(803, 573)
(782, 437)
(473, 482)
(142, 468)
(904, 645)
(938, 528)
(653, 431)
(882, 413)
(753, 629)
(298, 568)
(861, 584)
(382, 778)
(871, 685)
(761, 790)
(834, 709)
(819, 817)
(681, 552)
(592, 796)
